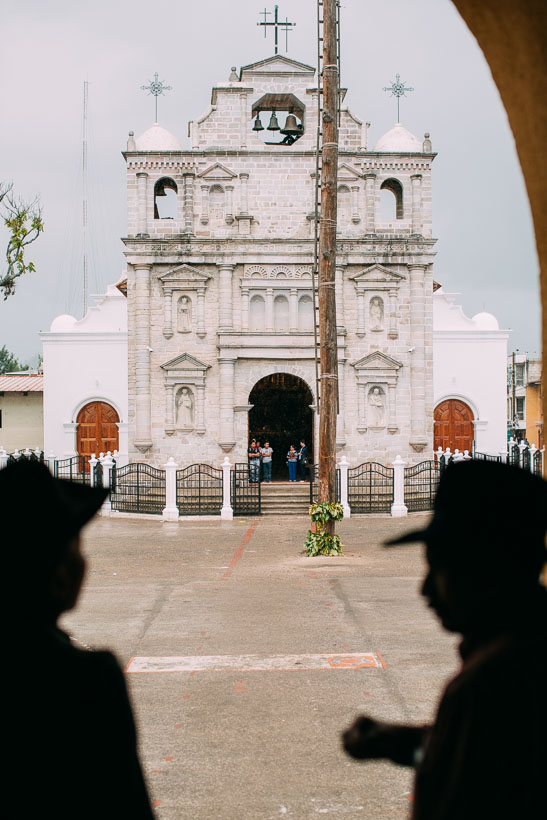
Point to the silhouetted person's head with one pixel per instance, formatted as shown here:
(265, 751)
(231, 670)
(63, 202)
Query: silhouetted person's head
(42, 516)
(485, 544)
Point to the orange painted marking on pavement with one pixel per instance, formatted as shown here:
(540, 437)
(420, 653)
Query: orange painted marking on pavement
(130, 661)
(156, 803)
(177, 725)
(382, 661)
(185, 697)
(169, 758)
(239, 551)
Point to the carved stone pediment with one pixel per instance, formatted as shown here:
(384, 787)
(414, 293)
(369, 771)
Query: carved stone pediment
(347, 174)
(376, 384)
(184, 277)
(377, 362)
(186, 363)
(217, 173)
(377, 277)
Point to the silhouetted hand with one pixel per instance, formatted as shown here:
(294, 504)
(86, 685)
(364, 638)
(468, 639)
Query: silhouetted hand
(368, 739)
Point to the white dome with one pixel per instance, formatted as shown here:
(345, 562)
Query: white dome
(486, 321)
(63, 323)
(158, 139)
(399, 141)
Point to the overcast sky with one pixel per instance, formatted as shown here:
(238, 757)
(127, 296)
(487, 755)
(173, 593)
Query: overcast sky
(486, 249)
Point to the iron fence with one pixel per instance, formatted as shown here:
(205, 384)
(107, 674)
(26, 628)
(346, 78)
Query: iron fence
(486, 457)
(370, 488)
(513, 455)
(138, 488)
(537, 463)
(314, 483)
(246, 499)
(73, 469)
(421, 482)
(199, 490)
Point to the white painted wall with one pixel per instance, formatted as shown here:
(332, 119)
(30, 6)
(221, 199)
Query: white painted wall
(85, 361)
(469, 363)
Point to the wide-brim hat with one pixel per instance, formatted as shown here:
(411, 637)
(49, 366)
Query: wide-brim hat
(32, 499)
(486, 510)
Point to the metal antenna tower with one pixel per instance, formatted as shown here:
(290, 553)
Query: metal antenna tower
(84, 195)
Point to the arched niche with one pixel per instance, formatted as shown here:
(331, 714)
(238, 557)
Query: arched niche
(165, 199)
(257, 313)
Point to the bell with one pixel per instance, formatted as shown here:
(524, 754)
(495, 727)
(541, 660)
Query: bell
(160, 188)
(257, 124)
(291, 126)
(274, 125)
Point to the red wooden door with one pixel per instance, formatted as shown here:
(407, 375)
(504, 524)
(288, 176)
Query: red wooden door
(97, 430)
(453, 426)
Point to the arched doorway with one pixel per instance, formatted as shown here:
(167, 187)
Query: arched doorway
(97, 430)
(453, 426)
(281, 414)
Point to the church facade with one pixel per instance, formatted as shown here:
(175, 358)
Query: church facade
(219, 251)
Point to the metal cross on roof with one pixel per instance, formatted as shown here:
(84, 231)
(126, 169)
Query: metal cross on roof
(276, 23)
(156, 88)
(397, 90)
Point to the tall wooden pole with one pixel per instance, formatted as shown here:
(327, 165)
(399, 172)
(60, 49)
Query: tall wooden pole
(327, 263)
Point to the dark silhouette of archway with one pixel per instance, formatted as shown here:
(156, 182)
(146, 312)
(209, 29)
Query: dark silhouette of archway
(281, 414)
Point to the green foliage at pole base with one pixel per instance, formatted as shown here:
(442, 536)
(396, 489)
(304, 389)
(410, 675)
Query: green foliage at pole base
(320, 542)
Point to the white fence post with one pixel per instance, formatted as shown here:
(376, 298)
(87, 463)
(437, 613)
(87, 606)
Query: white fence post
(106, 462)
(92, 463)
(522, 448)
(226, 512)
(3, 458)
(398, 508)
(458, 456)
(532, 451)
(170, 511)
(50, 461)
(503, 456)
(344, 467)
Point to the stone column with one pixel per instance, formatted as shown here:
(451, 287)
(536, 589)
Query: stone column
(200, 409)
(340, 423)
(168, 312)
(169, 409)
(418, 438)
(339, 290)
(227, 372)
(269, 318)
(200, 310)
(143, 406)
(204, 204)
(142, 203)
(392, 328)
(392, 408)
(370, 196)
(355, 204)
(69, 431)
(344, 467)
(188, 178)
(416, 203)
(361, 401)
(244, 194)
(245, 124)
(225, 306)
(293, 309)
(229, 203)
(245, 308)
(361, 329)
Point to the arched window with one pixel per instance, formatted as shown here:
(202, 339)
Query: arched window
(165, 199)
(281, 313)
(257, 313)
(216, 203)
(344, 205)
(305, 313)
(395, 189)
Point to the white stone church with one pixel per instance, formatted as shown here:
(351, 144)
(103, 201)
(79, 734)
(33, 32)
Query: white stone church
(219, 248)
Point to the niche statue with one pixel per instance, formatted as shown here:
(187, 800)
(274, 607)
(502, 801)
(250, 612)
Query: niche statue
(184, 315)
(376, 407)
(376, 314)
(185, 408)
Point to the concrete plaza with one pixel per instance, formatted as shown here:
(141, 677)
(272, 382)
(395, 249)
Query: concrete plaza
(259, 737)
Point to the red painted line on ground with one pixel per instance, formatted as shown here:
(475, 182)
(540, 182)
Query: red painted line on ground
(156, 803)
(382, 661)
(239, 551)
(129, 662)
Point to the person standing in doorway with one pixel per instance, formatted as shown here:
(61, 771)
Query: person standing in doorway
(254, 462)
(266, 452)
(292, 461)
(303, 460)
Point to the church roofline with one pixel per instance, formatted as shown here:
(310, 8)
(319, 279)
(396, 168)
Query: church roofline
(255, 67)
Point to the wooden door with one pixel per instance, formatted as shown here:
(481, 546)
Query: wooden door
(97, 430)
(453, 426)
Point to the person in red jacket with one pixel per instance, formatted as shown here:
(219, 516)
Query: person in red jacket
(485, 755)
(68, 733)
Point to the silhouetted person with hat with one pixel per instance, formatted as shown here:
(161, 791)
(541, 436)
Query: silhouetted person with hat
(485, 756)
(69, 740)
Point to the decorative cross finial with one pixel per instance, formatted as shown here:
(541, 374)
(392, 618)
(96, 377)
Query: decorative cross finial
(156, 88)
(397, 90)
(276, 23)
